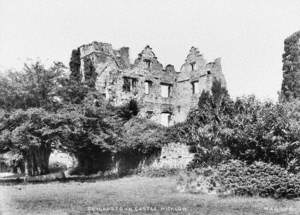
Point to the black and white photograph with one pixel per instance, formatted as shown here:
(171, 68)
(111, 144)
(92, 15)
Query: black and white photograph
(135, 107)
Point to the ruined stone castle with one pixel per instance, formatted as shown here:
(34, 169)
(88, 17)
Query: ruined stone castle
(164, 95)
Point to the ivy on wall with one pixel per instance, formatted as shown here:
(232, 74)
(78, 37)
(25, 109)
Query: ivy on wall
(75, 66)
(90, 74)
(290, 88)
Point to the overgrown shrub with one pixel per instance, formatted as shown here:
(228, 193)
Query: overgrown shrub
(238, 178)
(260, 178)
(128, 110)
(262, 132)
(142, 136)
(246, 129)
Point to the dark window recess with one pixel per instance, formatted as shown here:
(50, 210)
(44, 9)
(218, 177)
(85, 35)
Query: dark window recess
(193, 65)
(126, 85)
(149, 114)
(97, 103)
(170, 87)
(148, 62)
(129, 84)
(195, 87)
(148, 85)
(208, 72)
(134, 82)
(178, 109)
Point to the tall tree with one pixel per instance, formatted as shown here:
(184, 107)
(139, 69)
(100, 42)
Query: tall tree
(74, 64)
(202, 129)
(90, 131)
(290, 88)
(35, 86)
(32, 134)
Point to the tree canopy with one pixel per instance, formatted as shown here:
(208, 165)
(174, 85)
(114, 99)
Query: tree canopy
(30, 133)
(34, 87)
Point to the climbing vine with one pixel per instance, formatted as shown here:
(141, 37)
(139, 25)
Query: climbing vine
(90, 74)
(290, 88)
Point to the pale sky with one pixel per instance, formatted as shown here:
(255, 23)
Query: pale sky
(247, 34)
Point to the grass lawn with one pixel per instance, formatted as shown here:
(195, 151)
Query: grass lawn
(130, 195)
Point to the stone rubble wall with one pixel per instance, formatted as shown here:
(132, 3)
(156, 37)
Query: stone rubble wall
(173, 155)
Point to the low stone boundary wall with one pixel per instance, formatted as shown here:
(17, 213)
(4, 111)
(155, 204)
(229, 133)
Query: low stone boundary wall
(173, 155)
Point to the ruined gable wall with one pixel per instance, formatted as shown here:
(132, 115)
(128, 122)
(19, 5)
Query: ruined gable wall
(195, 69)
(113, 65)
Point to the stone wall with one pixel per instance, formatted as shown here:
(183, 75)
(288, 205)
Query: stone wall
(173, 155)
(168, 96)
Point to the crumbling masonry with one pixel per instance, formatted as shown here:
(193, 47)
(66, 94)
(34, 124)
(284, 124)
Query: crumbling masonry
(163, 94)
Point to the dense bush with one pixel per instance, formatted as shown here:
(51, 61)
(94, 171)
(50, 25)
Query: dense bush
(238, 178)
(142, 135)
(259, 178)
(246, 129)
(128, 110)
(262, 132)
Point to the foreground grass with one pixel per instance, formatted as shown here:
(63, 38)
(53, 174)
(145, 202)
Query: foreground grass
(132, 195)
